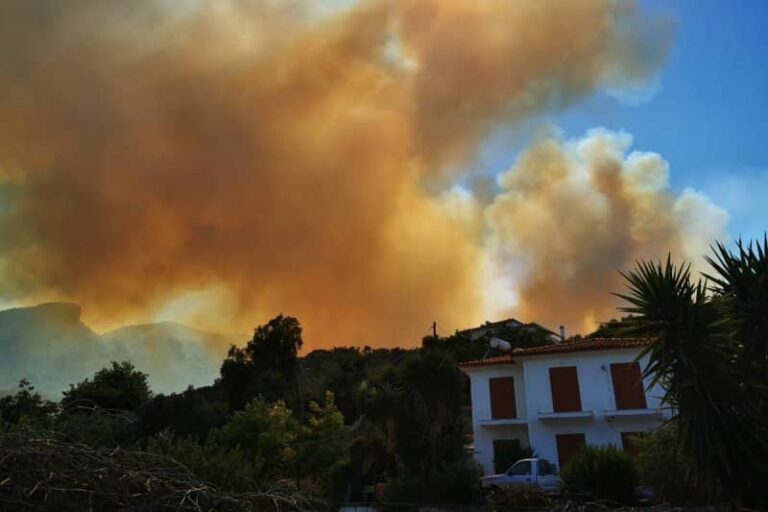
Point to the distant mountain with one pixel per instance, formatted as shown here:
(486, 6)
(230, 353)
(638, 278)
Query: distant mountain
(174, 355)
(49, 345)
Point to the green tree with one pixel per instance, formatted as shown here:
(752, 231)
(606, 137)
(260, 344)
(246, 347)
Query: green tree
(266, 366)
(613, 328)
(709, 352)
(339, 370)
(192, 413)
(119, 387)
(430, 427)
(26, 403)
(324, 444)
(464, 348)
(374, 446)
(266, 434)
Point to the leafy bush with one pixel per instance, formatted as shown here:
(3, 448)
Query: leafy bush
(227, 469)
(454, 484)
(266, 435)
(601, 472)
(193, 413)
(661, 465)
(25, 404)
(517, 496)
(120, 387)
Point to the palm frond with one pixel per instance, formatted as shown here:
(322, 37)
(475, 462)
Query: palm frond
(706, 334)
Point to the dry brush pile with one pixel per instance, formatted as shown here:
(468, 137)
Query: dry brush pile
(45, 470)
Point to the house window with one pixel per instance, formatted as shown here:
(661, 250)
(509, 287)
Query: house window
(629, 442)
(628, 386)
(503, 404)
(567, 445)
(565, 389)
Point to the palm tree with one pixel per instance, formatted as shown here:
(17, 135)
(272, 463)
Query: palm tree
(709, 353)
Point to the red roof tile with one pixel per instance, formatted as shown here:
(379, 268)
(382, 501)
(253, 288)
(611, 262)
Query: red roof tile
(581, 345)
(490, 361)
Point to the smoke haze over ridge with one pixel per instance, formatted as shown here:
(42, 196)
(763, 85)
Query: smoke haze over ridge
(227, 161)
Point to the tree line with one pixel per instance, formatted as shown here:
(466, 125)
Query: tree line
(331, 424)
(334, 423)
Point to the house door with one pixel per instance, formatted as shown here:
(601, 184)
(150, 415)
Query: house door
(567, 445)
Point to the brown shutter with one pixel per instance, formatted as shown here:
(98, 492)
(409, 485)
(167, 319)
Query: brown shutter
(628, 386)
(629, 442)
(567, 445)
(503, 398)
(565, 389)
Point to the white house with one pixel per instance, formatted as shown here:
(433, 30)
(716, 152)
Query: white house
(556, 398)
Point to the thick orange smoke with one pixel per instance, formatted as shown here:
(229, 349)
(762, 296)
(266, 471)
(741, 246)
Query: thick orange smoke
(226, 161)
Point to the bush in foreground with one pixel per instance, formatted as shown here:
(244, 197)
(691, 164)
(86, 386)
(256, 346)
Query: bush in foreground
(603, 473)
(518, 496)
(662, 466)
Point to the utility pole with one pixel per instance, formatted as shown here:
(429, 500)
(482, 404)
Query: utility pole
(434, 330)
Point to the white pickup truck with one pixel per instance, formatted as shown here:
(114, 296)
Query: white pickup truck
(531, 472)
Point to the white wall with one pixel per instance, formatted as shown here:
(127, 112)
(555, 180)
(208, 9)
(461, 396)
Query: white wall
(481, 412)
(596, 390)
(533, 392)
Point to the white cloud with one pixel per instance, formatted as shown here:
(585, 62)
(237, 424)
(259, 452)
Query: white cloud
(742, 192)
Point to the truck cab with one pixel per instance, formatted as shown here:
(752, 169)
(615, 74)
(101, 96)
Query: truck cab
(530, 472)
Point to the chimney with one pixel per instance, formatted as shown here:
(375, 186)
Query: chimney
(562, 333)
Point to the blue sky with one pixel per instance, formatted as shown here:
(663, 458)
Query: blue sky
(709, 119)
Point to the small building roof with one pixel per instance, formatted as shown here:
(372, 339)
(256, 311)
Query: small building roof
(580, 345)
(502, 323)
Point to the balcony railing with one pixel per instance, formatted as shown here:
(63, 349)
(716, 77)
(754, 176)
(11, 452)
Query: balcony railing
(502, 422)
(566, 415)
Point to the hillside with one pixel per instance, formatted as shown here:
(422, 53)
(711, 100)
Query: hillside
(50, 346)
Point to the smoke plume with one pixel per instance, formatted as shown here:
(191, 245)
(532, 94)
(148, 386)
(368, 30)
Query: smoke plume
(222, 162)
(568, 211)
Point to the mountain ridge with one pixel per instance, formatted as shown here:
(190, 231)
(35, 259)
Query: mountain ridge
(52, 347)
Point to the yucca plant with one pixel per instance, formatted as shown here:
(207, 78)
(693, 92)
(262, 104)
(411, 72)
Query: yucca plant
(740, 284)
(708, 352)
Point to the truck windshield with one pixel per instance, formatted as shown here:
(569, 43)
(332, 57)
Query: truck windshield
(521, 467)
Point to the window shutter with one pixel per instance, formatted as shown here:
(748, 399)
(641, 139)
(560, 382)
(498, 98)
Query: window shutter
(564, 382)
(567, 445)
(629, 442)
(628, 386)
(503, 398)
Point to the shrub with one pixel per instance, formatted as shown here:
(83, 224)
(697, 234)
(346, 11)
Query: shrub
(519, 496)
(120, 387)
(661, 465)
(456, 484)
(26, 404)
(227, 469)
(601, 472)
